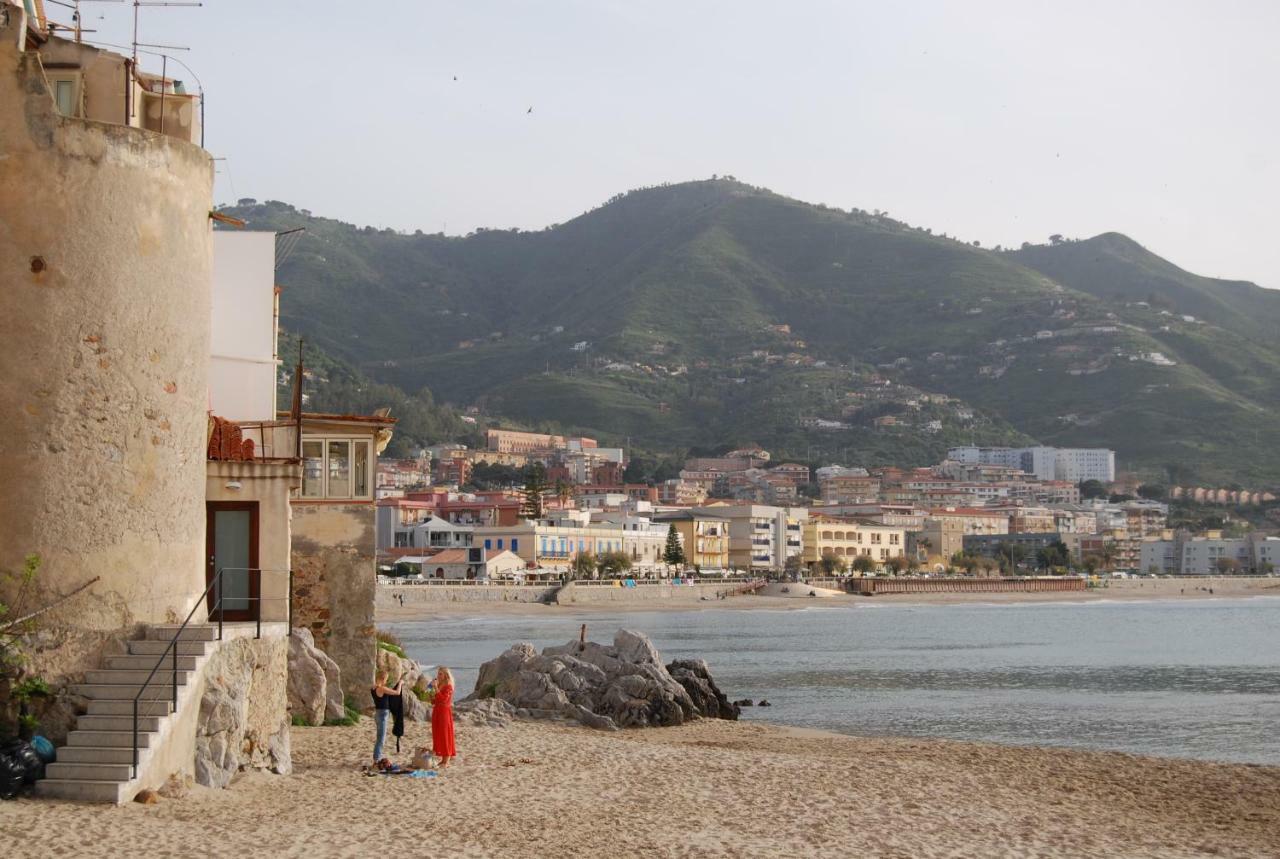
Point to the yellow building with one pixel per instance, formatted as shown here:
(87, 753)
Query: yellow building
(705, 538)
(846, 539)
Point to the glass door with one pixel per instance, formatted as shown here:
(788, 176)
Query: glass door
(232, 544)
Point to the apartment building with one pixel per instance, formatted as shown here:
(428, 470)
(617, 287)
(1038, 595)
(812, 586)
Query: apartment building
(705, 538)
(761, 537)
(1047, 463)
(1182, 553)
(846, 539)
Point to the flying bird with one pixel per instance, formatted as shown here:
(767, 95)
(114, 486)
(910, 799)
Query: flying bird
(530, 110)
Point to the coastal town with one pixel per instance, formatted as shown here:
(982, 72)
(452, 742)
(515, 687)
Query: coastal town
(217, 597)
(1008, 511)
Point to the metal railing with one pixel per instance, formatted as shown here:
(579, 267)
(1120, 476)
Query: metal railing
(215, 585)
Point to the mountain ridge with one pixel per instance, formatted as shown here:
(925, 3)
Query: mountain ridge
(699, 312)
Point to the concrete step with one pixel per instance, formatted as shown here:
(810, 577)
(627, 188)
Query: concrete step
(136, 676)
(147, 647)
(89, 772)
(146, 707)
(98, 755)
(124, 691)
(147, 662)
(81, 790)
(110, 739)
(200, 632)
(117, 723)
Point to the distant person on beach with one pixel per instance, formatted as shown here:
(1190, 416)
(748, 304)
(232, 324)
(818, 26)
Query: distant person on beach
(442, 717)
(382, 695)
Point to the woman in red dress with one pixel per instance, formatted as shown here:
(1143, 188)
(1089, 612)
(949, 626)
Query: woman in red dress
(442, 718)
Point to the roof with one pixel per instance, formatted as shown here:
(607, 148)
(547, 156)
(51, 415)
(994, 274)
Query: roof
(376, 420)
(444, 556)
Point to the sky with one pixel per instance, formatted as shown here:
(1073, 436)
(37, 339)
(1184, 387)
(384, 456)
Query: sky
(1001, 122)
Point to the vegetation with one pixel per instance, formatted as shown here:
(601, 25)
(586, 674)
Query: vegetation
(611, 565)
(583, 566)
(679, 315)
(673, 552)
(535, 491)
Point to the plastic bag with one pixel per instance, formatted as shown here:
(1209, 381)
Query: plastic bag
(22, 754)
(11, 775)
(44, 749)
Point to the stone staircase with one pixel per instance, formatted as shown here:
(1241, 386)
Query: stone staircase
(96, 764)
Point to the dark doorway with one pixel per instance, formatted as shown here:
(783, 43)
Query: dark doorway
(231, 545)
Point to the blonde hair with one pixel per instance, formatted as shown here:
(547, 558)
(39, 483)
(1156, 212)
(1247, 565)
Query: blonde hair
(448, 675)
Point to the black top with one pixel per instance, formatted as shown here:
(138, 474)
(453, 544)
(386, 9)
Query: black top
(382, 702)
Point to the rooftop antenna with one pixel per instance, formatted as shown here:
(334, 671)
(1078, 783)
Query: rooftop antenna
(137, 5)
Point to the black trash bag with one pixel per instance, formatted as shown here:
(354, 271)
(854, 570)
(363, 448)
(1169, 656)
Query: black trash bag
(11, 776)
(21, 753)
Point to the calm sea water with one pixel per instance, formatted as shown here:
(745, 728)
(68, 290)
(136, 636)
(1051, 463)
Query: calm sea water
(1183, 679)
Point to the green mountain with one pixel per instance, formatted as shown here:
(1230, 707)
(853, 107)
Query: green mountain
(712, 312)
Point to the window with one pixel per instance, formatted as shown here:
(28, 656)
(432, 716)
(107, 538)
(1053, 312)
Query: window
(499, 543)
(337, 468)
(515, 544)
(64, 95)
(488, 544)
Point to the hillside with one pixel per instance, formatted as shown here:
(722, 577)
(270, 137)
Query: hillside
(713, 312)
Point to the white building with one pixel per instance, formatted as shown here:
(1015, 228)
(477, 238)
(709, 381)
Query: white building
(242, 366)
(761, 537)
(1047, 463)
(1189, 555)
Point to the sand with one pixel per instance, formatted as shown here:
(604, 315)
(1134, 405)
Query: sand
(707, 789)
(1123, 589)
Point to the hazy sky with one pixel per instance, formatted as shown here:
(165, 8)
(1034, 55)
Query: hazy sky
(997, 121)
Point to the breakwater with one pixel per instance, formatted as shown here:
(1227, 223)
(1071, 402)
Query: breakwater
(869, 586)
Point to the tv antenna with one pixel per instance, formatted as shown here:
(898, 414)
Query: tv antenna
(137, 6)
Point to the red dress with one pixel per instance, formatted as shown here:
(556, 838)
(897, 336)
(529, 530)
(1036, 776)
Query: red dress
(442, 723)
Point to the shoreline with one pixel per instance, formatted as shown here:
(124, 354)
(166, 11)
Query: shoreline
(1125, 590)
(708, 788)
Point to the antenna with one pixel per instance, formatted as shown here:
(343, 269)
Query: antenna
(138, 4)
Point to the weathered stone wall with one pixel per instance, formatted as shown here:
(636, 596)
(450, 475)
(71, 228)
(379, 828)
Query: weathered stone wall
(244, 712)
(389, 595)
(104, 343)
(334, 583)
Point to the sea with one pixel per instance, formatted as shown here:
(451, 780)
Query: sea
(1188, 679)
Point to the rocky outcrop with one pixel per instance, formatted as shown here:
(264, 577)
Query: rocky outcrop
(484, 713)
(315, 682)
(244, 721)
(694, 676)
(623, 685)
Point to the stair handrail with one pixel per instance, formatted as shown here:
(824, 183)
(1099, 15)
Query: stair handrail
(218, 607)
(173, 645)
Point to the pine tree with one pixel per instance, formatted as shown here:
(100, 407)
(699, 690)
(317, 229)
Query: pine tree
(674, 552)
(535, 489)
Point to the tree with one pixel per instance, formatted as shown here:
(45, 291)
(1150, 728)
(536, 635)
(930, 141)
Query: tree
(965, 561)
(1056, 239)
(1152, 492)
(793, 566)
(864, 564)
(1092, 489)
(535, 490)
(926, 544)
(1227, 565)
(583, 566)
(673, 554)
(1091, 563)
(563, 493)
(1056, 554)
(896, 564)
(612, 564)
(831, 565)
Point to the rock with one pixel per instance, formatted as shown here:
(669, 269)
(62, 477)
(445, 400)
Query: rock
(744, 702)
(308, 683)
(243, 722)
(147, 796)
(764, 703)
(606, 687)
(177, 786)
(694, 676)
(486, 712)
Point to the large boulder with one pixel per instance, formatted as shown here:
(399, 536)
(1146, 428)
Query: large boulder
(243, 721)
(694, 676)
(621, 685)
(315, 683)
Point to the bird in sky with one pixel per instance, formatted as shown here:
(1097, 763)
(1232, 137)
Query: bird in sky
(530, 110)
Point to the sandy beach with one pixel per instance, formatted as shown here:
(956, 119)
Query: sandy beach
(1123, 589)
(707, 789)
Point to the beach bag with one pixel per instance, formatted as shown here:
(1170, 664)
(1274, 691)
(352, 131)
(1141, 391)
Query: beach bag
(11, 775)
(422, 759)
